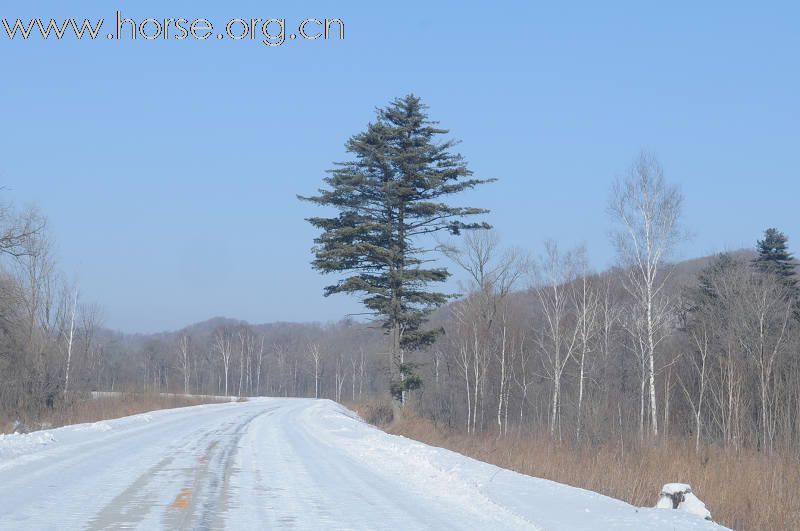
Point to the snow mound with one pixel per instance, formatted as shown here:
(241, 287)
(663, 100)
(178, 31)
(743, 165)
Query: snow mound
(680, 496)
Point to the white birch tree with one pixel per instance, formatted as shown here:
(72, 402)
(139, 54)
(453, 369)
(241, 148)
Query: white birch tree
(647, 211)
(183, 360)
(313, 349)
(559, 335)
(69, 336)
(587, 302)
(223, 344)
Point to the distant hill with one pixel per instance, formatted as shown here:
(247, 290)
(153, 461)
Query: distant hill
(681, 273)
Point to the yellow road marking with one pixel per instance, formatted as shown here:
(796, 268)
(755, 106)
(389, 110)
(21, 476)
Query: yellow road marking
(204, 459)
(183, 498)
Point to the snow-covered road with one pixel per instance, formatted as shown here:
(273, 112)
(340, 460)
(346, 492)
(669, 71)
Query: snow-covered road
(280, 464)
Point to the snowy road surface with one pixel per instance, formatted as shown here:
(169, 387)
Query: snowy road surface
(280, 464)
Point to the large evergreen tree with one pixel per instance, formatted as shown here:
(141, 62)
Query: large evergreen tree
(774, 257)
(390, 197)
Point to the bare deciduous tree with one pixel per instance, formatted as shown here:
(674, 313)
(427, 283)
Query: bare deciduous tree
(647, 210)
(184, 360)
(223, 344)
(313, 350)
(492, 275)
(559, 336)
(587, 302)
(69, 338)
(764, 319)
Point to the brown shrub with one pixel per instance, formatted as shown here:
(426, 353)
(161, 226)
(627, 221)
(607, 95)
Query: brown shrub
(376, 412)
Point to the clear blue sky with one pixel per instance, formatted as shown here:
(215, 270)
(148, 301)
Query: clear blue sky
(168, 170)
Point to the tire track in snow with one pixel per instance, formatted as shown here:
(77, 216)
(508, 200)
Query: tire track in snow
(197, 472)
(215, 487)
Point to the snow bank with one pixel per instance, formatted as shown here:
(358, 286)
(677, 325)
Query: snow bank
(508, 496)
(15, 444)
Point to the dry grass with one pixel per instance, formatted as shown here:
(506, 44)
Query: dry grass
(104, 408)
(744, 490)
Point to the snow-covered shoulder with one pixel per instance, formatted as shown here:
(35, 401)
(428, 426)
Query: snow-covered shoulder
(20, 448)
(443, 473)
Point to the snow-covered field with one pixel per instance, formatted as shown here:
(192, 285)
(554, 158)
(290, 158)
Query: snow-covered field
(280, 463)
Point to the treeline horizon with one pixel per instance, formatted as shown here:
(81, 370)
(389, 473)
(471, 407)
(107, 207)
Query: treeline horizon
(468, 386)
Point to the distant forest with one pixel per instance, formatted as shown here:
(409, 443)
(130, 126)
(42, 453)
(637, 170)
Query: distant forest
(727, 366)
